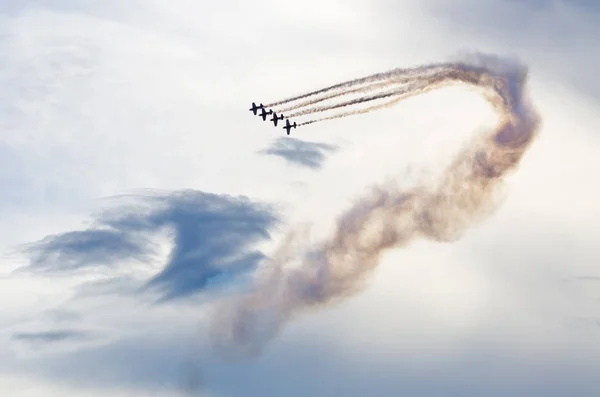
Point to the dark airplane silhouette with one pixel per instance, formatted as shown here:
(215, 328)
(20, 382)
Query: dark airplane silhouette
(289, 126)
(275, 118)
(264, 114)
(254, 108)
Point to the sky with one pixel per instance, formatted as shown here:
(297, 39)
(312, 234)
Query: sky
(138, 195)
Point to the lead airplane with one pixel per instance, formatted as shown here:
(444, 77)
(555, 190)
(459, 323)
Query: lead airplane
(254, 108)
(289, 126)
(275, 118)
(265, 113)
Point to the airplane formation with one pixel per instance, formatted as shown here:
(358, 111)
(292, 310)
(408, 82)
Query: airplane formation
(264, 113)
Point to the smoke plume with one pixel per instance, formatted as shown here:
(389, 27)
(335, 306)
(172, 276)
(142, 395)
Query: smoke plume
(388, 218)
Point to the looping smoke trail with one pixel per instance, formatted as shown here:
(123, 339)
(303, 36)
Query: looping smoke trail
(388, 218)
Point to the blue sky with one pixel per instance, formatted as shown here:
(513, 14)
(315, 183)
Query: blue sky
(138, 195)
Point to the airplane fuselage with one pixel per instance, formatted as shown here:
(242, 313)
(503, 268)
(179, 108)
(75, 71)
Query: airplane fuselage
(265, 113)
(254, 108)
(289, 126)
(276, 118)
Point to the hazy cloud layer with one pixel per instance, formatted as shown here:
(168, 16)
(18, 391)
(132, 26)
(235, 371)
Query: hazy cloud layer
(101, 98)
(51, 336)
(555, 37)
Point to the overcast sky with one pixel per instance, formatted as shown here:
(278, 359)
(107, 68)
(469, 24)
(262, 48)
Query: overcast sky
(137, 191)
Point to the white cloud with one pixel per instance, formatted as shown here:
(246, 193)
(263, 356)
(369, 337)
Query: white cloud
(102, 98)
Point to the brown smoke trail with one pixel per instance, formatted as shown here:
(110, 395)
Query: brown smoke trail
(389, 218)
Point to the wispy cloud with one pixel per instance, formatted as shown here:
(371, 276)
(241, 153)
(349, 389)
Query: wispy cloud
(87, 248)
(212, 239)
(298, 152)
(51, 336)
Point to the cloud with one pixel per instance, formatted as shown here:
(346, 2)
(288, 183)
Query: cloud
(105, 98)
(474, 369)
(298, 152)
(474, 372)
(212, 237)
(116, 286)
(79, 249)
(553, 37)
(145, 362)
(51, 336)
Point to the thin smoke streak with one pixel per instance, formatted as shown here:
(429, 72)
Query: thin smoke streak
(356, 101)
(434, 74)
(368, 88)
(397, 98)
(347, 84)
(356, 112)
(393, 78)
(398, 72)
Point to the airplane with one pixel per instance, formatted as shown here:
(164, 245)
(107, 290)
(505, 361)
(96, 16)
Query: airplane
(289, 126)
(264, 114)
(254, 108)
(275, 118)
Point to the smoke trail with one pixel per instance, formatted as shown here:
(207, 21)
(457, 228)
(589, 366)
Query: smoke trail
(336, 94)
(387, 104)
(394, 73)
(399, 96)
(355, 101)
(422, 83)
(397, 76)
(424, 78)
(388, 218)
(369, 79)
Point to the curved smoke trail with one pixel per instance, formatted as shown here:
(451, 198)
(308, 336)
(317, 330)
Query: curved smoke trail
(388, 218)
